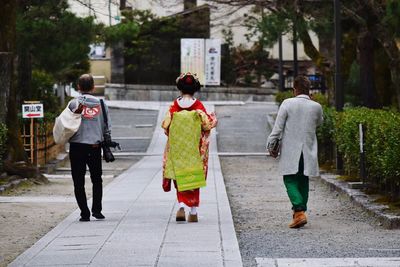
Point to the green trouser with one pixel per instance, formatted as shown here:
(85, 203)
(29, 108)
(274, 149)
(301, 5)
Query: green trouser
(297, 188)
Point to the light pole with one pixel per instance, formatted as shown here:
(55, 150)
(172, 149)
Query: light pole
(339, 96)
(281, 78)
(109, 13)
(295, 59)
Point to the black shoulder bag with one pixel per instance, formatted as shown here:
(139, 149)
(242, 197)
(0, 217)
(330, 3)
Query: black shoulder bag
(274, 148)
(107, 143)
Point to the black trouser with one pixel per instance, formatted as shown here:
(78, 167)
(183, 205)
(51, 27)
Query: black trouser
(81, 155)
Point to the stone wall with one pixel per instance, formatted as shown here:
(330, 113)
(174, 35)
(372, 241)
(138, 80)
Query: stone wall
(143, 92)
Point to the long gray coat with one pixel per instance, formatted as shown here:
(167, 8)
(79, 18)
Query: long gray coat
(296, 124)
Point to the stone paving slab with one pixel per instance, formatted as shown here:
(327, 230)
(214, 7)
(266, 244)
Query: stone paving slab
(140, 228)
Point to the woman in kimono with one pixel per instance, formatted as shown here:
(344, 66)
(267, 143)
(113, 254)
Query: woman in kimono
(187, 125)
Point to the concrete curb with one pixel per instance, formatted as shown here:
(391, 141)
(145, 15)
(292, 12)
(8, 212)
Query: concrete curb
(366, 202)
(52, 166)
(12, 184)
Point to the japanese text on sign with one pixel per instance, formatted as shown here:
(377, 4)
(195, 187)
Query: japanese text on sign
(32, 111)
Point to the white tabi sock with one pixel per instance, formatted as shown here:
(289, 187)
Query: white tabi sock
(181, 205)
(193, 210)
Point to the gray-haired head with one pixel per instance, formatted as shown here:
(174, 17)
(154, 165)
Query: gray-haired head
(85, 83)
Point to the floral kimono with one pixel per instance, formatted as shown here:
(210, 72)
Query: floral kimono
(186, 152)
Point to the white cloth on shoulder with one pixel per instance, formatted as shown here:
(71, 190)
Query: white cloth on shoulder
(185, 102)
(66, 125)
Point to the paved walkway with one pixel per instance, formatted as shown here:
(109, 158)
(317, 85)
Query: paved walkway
(140, 228)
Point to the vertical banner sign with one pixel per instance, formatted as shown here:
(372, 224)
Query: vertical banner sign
(192, 57)
(213, 62)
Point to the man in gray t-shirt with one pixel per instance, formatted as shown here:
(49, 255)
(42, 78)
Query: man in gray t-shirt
(85, 147)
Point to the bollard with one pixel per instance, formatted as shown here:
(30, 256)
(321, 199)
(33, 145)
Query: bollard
(363, 173)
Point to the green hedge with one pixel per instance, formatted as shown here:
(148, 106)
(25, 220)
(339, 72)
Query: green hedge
(3, 140)
(326, 136)
(280, 96)
(382, 143)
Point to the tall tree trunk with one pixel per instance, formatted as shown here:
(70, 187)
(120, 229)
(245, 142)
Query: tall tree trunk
(388, 42)
(395, 75)
(24, 77)
(15, 149)
(122, 4)
(367, 63)
(7, 45)
(6, 59)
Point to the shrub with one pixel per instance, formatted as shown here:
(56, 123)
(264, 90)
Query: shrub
(42, 88)
(317, 97)
(3, 140)
(382, 144)
(325, 135)
(280, 96)
(320, 98)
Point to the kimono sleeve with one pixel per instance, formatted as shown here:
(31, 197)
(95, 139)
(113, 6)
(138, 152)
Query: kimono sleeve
(208, 121)
(167, 120)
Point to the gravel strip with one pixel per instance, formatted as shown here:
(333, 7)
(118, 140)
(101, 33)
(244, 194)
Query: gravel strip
(261, 209)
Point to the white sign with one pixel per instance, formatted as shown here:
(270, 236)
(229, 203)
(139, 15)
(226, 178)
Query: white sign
(192, 57)
(97, 51)
(213, 62)
(32, 111)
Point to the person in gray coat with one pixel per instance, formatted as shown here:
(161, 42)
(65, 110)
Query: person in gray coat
(295, 127)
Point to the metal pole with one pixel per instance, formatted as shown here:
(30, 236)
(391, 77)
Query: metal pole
(109, 12)
(295, 60)
(32, 146)
(281, 78)
(90, 8)
(61, 93)
(339, 97)
(363, 172)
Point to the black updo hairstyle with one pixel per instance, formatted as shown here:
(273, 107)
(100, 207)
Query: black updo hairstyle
(188, 83)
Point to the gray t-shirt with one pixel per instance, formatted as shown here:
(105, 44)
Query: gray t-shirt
(92, 126)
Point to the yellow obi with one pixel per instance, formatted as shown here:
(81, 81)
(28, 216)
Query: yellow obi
(183, 161)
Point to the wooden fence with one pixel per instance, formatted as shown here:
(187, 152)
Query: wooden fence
(39, 142)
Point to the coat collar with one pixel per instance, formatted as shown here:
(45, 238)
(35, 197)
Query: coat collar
(303, 96)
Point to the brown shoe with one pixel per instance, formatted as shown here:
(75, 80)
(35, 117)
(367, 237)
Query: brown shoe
(193, 218)
(299, 219)
(180, 215)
